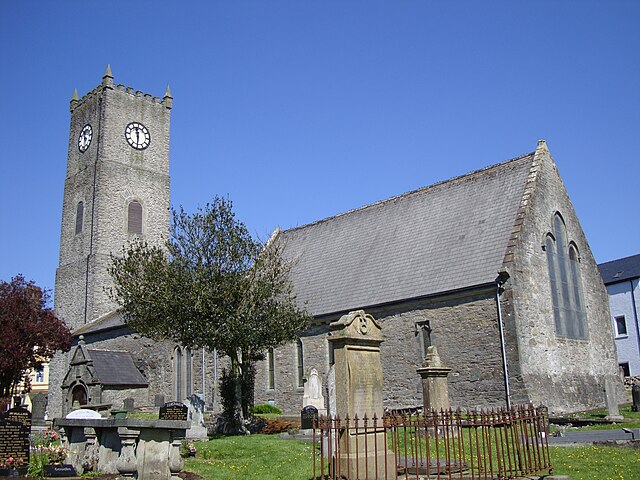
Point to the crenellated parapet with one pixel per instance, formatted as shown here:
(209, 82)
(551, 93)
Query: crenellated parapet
(108, 84)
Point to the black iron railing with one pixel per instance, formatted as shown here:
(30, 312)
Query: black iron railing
(492, 444)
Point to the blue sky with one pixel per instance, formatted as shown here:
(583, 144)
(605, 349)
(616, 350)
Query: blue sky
(299, 110)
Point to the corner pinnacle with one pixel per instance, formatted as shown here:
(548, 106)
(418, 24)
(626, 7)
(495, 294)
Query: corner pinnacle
(167, 100)
(75, 95)
(107, 78)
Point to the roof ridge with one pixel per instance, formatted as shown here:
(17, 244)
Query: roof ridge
(618, 260)
(412, 192)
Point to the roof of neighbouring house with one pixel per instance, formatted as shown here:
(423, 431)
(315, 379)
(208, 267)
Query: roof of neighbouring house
(448, 236)
(620, 270)
(114, 367)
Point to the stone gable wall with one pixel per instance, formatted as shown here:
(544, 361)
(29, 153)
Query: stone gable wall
(565, 374)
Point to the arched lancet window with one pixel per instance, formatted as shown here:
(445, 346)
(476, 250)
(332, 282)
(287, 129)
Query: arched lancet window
(566, 286)
(300, 358)
(187, 379)
(79, 217)
(134, 217)
(177, 369)
(271, 370)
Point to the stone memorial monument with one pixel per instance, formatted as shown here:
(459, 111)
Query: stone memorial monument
(356, 339)
(435, 389)
(198, 430)
(313, 392)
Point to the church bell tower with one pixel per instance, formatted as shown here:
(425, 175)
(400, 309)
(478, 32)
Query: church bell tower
(116, 189)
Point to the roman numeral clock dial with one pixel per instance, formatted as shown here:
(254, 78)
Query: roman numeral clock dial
(84, 140)
(137, 135)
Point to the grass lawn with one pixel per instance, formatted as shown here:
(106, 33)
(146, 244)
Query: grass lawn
(596, 463)
(266, 457)
(262, 457)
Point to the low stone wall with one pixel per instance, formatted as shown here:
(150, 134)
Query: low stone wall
(144, 449)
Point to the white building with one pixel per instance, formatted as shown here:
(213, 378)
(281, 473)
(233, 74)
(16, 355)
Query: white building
(622, 279)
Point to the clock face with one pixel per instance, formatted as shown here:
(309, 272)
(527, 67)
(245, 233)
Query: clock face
(84, 140)
(137, 135)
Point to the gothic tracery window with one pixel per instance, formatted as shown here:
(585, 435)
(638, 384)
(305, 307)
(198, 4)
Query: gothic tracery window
(566, 286)
(182, 366)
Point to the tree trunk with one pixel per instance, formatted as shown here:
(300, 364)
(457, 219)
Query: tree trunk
(235, 424)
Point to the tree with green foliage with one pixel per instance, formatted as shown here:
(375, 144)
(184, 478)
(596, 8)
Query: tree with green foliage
(211, 286)
(31, 334)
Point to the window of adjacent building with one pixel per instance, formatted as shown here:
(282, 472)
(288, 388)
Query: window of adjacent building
(300, 357)
(79, 217)
(40, 375)
(566, 286)
(134, 217)
(271, 369)
(621, 326)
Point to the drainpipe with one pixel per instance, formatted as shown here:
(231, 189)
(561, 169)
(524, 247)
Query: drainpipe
(503, 275)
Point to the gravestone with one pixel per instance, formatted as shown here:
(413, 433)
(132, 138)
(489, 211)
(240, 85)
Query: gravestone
(308, 415)
(158, 401)
(38, 407)
(198, 430)
(635, 397)
(128, 404)
(84, 414)
(611, 401)
(174, 411)
(15, 429)
(356, 339)
(435, 389)
(313, 392)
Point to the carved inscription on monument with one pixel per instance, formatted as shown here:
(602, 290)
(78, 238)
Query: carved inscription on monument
(14, 441)
(174, 411)
(365, 382)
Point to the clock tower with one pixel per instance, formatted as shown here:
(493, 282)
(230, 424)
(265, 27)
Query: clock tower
(116, 189)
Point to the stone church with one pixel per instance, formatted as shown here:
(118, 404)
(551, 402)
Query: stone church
(491, 267)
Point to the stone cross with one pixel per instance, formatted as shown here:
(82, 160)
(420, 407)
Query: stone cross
(435, 389)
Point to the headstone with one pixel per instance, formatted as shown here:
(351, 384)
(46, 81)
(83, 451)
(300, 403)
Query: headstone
(38, 407)
(15, 430)
(198, 429)
(356, 339)
(313, 392)
(331, 390)
(158, 401)
(635, 397)
(174, 411)
(20, 415)
(611, 401)
(435, 389)
(308, 415)
(128, 404)
(84, 413)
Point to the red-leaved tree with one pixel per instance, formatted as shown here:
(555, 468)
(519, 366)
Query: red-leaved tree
(30, 333)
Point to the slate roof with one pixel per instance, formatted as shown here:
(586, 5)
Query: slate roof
(448, 236)
(108, 321)
(116, 368)
(620, 270)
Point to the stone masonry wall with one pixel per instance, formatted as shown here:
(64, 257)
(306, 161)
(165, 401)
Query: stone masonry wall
(464, 330)
(564, 374)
